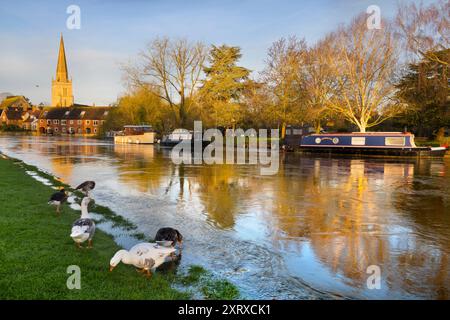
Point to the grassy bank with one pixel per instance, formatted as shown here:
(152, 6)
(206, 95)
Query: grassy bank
(36, 250)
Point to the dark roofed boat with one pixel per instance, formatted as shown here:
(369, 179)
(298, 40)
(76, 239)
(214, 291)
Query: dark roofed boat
(368, 144)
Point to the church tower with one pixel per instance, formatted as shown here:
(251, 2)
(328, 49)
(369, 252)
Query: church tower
(61, 86)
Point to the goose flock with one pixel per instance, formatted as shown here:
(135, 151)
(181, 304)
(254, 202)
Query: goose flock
(146, 257)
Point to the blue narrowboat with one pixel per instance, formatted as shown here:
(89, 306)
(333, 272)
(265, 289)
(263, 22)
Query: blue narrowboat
(369, 143)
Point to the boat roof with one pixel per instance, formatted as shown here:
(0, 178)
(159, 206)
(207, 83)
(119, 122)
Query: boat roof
(364, 134)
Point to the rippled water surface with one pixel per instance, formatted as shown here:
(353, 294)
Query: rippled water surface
(309, 232)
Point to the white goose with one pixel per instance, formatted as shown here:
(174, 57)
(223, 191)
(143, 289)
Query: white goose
(84, 228)
(144, 256)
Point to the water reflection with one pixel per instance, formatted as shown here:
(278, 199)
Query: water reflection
(348, 213)
(309, 232)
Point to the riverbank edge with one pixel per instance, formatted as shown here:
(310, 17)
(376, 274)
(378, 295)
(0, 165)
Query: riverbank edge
(16, 182)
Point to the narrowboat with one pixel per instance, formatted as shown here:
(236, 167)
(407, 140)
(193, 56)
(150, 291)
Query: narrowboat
(141, 134)
(369, 143)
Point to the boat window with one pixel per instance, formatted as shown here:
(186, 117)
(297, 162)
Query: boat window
(298, 132)
(358, 141)
(288, 132)
(395, 141)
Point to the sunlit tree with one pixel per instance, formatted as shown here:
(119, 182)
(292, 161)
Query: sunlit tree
(318, 82)
(425, 29)
(364, 66)
(225, 81)
(139, 106)
(281, 76)
(174, 68)
(425, 88)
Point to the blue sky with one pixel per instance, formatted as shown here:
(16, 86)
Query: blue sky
(113, 32)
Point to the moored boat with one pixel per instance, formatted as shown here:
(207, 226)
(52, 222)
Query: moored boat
(176, 137)
(368, 143)
(184, 136)
(141, 134)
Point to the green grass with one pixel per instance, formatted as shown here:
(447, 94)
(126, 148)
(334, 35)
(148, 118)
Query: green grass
(36, 250)
(219, 290)
(209, 286)
(194, 275)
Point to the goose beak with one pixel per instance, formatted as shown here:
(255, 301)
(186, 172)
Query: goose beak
(111, 268)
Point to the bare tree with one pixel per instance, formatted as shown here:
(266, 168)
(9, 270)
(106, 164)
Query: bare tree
(364, 63)
(281, 76)
(318, 81)
(425, 30)
(174, 68)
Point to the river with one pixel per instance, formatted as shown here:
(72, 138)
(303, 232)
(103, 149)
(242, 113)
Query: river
(309, 232)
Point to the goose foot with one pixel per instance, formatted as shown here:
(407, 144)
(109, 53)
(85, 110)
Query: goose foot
(90, 244)
(148, 274)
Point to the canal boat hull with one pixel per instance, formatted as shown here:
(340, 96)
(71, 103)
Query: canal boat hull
(388, 152)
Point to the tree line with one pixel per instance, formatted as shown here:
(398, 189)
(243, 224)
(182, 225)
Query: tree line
(354, 78)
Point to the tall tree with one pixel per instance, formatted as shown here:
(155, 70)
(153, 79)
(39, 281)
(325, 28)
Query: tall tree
(281, 75)
(364, 67)
(425, 29)
(425, 87)
(318, 81)
(257, 101)
(225, 81)
(174, 68)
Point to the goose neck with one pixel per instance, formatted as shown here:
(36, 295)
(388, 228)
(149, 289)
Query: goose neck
(84, 212)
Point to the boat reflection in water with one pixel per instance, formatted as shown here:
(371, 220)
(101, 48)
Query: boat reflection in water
(311, 231)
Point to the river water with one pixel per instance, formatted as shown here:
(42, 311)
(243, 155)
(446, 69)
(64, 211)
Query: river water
(309, 232)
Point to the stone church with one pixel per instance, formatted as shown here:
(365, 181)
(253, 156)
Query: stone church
(62, 95)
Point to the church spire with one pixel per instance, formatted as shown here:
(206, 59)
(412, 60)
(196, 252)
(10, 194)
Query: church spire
(61, 68)
(62, 95)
